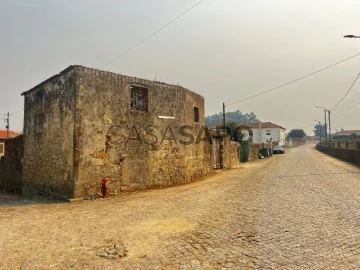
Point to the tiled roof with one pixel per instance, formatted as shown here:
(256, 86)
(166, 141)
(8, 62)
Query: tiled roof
(348, 132)
(3, 134)
(217, 126)
(251, 125)
(263, 125)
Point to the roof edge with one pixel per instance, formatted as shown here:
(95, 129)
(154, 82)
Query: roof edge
(110, 72)
(49, 79)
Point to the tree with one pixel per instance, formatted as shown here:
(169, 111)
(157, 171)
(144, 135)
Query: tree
(319, 130)
(297, 133)
(233, 131)
(237, 117)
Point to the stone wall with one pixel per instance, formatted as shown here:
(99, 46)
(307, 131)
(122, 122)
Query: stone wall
(84, 124)
(350, 155)
(231, 153)
(136, 149)
(11, 165)
(49, 117)
(254, 149)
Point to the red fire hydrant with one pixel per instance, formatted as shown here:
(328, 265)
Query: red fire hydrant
(104, 187)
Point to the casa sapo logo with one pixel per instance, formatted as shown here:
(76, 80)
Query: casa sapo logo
(150, 134)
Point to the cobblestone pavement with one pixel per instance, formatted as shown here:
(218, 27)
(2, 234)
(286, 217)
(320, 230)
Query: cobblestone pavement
(300, 210)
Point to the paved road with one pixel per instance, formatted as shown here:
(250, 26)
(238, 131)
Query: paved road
(300, 210)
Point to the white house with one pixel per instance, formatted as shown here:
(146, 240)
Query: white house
(343, 132)
(263, 132)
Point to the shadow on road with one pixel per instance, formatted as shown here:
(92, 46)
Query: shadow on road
(13, 199)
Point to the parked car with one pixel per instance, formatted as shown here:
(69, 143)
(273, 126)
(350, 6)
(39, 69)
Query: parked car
(278, 149)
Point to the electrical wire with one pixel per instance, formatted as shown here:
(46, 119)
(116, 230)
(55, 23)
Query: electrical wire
(345, 93)
(354, 105)
(293, 81)
(153, 33)
(348, 103)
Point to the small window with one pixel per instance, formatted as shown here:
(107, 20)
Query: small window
(2, 149)
(268, 132)
(196, 114)
(139, 98)
(39, 123)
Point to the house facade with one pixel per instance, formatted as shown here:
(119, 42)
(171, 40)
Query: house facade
(83, 124)
(347, 133)
(4, 135)
(266, 132)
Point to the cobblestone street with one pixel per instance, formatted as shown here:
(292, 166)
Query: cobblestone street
(300, 210)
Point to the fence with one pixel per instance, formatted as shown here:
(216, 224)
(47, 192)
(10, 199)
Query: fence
(345, 153)
(348, 144)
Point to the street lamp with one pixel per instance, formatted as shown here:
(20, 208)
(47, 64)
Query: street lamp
(351, 36)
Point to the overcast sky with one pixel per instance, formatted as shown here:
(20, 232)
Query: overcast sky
(225, 50)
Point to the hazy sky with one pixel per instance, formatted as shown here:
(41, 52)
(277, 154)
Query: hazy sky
(224, 50)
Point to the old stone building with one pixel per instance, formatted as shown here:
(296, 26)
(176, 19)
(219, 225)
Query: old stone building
(85, 124)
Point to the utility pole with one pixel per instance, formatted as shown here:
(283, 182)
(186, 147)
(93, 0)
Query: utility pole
(325, 126)
(7, 124)
(224, 121)
(329, 126)
(222, 140)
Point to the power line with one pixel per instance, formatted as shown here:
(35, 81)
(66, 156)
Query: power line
(354, 105)
(153, 33)
(349, 102)
(293, 81)
(345, 93)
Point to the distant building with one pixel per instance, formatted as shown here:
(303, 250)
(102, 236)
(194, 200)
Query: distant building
(348, 132)
(266, 132)
(312, 138)
(4, 134)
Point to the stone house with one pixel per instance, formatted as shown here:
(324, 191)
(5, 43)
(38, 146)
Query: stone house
(83, 124)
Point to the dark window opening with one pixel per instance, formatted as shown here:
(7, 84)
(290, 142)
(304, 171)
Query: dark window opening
(40, 99)
(39, 123)
(196, 114)
(268, 132)
(139, 98)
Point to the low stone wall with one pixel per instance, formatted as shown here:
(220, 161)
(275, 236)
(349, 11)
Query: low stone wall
(350, 155)
(254, 149)
(231, 154)
(11, 165)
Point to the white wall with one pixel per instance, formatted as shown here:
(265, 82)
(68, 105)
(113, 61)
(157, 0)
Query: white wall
(265, 134)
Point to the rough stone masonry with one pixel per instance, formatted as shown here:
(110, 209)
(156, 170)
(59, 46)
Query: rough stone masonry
(84, 124)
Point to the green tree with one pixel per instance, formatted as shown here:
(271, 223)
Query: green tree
(237, 117)
(297, 133)
(319, 130)
(232, 131)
